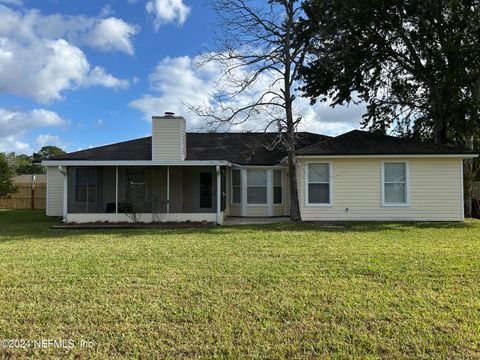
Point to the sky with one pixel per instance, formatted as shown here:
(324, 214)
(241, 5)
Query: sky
(80, 74)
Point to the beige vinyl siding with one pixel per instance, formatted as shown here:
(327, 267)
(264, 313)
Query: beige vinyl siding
(168, 139)
(54, 192)
(278, 210)
(234, 210)
(254, 211)
(435, 191)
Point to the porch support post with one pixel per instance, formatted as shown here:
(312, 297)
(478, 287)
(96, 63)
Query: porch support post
(243, 189)
(116, 189)
(219, 195)
(270, 192)
(63, 170)
(168, 189)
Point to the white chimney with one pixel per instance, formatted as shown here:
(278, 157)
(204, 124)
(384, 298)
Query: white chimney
(168, 137)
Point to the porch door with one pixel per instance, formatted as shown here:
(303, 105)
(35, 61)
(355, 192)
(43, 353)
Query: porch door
(135, 185)
(206, 190)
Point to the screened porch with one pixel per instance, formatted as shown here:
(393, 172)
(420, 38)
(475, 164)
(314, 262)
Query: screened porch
(145, 193)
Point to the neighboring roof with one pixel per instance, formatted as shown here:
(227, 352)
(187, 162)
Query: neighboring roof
(358, 142)
(241, 148)
(27, 179)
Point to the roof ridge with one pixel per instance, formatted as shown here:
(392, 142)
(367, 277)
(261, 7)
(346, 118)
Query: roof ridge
(253, 132)
(327, 139)
(403, 139)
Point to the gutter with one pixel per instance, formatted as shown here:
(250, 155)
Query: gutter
(61, 163)
(463, 156)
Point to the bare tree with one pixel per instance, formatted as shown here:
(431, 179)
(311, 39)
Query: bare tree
(259, 62)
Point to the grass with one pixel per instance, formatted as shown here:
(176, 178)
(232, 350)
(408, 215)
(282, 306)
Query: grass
(273, 291)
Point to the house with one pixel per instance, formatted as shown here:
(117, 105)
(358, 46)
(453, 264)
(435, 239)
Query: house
(180, 176)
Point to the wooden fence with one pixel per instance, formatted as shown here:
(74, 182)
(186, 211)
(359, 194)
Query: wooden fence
(22, 199)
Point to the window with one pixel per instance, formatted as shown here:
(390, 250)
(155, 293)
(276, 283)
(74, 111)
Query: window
(206, 190)
(86, 185)
(318, 185)
(395, 183)
(257, 187)
(135, 185)
(236, 187)
(277, 186)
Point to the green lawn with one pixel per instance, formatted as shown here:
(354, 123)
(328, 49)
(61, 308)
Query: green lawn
(275, 291)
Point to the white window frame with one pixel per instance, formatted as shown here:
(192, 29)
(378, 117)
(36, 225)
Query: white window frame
(265, 186)
(407, 183)
(330, 183)
(232, 202)
(273, 187)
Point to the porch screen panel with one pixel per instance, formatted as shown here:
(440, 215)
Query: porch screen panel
(141, 189)
(206, 193)
(90, 189)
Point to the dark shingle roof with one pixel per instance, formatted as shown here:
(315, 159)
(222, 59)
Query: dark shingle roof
(241, 148)
(260, 149)
(358, 142)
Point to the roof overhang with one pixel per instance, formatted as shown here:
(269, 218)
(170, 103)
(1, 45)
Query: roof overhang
(135, 163)
(259, 166)
(463, 156)
(383, 156)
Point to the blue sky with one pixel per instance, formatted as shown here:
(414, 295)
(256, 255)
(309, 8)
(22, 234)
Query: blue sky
(79, 74)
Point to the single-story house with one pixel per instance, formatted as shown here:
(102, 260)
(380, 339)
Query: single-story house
(179, 176)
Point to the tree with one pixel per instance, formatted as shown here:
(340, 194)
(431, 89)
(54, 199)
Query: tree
(47, 152)
(415, 64)
(6, 174)
(23, 164)
(259, 62)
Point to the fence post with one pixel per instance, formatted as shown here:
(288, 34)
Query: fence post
(33, 192)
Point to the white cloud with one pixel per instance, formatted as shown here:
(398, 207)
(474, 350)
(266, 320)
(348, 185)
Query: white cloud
(177, 82)
(167, 11)
(12, 2)
(112, 34)
(46, 139)
(14, 124)
(99, 77)
(36, 63)
(105, 33)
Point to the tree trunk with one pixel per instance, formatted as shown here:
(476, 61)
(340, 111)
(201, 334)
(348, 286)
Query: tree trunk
(439, 117)
(468, 175)
(291, 136)
(292, 175)
(292, 166)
